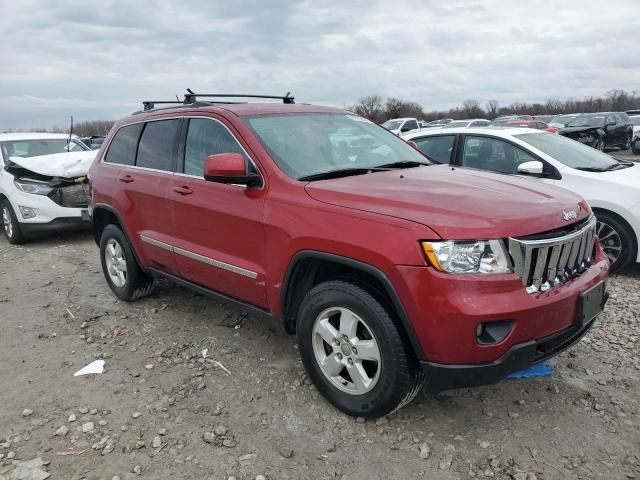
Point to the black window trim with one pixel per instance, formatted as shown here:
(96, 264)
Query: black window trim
(554, 173)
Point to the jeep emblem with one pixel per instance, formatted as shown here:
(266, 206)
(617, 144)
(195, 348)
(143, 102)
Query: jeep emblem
(569, 215)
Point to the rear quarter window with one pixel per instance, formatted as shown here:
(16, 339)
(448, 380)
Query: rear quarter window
(122, 150)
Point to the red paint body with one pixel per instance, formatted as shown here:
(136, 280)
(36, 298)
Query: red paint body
(378, 219)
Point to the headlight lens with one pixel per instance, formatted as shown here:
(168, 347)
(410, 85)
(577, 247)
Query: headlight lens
(481, 256)
(33, 188)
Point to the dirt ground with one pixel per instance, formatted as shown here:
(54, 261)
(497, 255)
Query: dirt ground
(164, 411)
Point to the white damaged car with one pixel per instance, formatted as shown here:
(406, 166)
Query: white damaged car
(43, 184)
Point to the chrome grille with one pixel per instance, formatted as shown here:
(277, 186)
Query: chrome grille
(546, 262)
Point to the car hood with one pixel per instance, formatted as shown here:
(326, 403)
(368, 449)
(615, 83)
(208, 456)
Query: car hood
(66, 164)
(629, 177)
(457, 203)
(576, 130)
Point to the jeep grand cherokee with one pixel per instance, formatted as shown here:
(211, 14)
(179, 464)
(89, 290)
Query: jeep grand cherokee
(397, 275)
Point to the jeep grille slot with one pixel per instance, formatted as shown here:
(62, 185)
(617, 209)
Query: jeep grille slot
(544, 263)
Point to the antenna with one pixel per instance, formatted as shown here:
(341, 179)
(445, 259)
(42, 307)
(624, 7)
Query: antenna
(70, 134)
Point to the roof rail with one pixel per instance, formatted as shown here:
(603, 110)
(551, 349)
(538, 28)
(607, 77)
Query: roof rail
(191, 96)
(151, 104)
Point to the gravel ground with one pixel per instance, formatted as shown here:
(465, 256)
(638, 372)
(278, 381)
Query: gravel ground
(162, 410)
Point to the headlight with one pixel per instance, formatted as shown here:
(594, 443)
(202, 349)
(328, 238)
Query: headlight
(31, 187)
(481, 256)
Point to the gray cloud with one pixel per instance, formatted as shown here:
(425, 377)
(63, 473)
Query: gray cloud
(64, 58)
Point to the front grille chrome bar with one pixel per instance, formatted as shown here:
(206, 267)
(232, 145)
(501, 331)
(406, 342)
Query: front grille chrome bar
(546, 262)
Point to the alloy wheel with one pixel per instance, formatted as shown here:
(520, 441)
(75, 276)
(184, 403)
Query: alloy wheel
(346, 350)
(610, 241)
(6, 221)
(116, 263)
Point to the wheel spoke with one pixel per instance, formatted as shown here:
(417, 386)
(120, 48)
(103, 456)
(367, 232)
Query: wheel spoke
(611, 233)
(359, 377)
(332, 365)
(348, 323)
(367, 350)
(326, 331)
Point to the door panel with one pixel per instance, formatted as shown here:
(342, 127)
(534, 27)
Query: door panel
(146, 187)
(219, 234)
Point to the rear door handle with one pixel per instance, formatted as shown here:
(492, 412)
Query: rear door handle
(183, 190)
(125, 178)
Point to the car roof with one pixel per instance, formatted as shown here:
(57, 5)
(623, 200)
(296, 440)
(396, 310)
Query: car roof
(9, 137)
(238, 109)
(502, 132)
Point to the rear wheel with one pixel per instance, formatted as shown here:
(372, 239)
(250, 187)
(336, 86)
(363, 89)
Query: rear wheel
(616, 241)
(121, 270)
(627, 143)
(10, 224)
(635, 147)
(354, 352)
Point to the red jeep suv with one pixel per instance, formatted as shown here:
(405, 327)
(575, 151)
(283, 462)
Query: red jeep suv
(396, 274)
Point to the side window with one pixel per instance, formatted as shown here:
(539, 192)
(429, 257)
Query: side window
(411, 125)
(493, 154)
(158, 145)
(208, 137)
(123, 146)
(438, 148)
(610, 119)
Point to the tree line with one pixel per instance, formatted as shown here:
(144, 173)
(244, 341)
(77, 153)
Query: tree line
(378, 110)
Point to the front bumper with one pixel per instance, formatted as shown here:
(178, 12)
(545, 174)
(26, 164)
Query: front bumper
(59, 224)
(519, 357)
(46, 210)
(445, 311)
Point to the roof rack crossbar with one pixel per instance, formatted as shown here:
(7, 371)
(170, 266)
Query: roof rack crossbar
(191, 96)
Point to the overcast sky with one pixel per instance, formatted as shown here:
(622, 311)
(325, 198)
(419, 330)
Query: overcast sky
(61, 58)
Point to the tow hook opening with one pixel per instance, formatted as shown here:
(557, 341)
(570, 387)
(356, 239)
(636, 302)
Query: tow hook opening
(489, 333)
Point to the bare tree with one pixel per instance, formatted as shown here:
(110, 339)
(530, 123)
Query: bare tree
(370, 107)
(492, 109)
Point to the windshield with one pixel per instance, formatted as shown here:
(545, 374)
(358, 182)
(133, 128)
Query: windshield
(569, 152)
(314, 143)
(456, 124)
(392, 124)
(563, 119)
(41, 146)
(587, 121)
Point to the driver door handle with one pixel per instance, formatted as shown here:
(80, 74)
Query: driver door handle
(126, 178)
(183, 190)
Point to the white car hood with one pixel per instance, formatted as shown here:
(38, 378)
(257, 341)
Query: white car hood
(66, 164)
(629, 177)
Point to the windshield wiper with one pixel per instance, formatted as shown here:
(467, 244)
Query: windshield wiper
(613, 166)
(341, 172)
(404, 164)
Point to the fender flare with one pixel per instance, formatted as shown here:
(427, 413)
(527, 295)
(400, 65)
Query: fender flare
(366, 268)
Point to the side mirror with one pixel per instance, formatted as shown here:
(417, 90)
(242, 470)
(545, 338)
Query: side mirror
(229, 168)
(412, 143)
(531, 168)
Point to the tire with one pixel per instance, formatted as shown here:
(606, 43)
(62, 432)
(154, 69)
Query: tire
(10, 224)
(599, 144)
(121, 270)
(635, 147)
(393, 380)
(616, 238)
(627, 143)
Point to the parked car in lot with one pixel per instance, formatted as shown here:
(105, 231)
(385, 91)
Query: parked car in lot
(508, 118)
(600, 130)
(535, 123)
(611, 187)
(544, 118)
(395, 273)
(473, 122)
(635, 142)
(438, 123)
(43, 185)
(400, 126)
(561, 120)
(94, 142)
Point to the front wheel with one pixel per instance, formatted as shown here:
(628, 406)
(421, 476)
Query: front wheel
(354, 352)
(121, 270)
(598, 144)
(635, 146)
(10, 224)
(616, 241)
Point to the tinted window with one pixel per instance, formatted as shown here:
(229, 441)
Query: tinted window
(204, 138)
(123, 146)
(493, 154)
(158, 143)
(411, 125)
(438, 148)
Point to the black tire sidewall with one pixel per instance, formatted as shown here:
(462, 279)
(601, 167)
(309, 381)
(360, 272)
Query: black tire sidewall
(628, 252)
(395, 378)
(132, 282)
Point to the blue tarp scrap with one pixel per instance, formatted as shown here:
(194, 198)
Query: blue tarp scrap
(539, 370)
